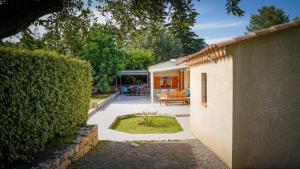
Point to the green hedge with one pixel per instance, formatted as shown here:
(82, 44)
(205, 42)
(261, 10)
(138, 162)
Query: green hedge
(42, 96)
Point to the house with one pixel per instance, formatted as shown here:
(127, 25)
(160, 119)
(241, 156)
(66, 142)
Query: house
(172, 75)
(245, 102)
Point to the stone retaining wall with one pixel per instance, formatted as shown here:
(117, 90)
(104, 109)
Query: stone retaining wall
(103, 103)
(87, 138)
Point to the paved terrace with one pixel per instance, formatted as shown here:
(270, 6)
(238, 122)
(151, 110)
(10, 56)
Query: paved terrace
(123, 105)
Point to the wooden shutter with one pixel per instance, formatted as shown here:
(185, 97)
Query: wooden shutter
(174, 82)
(157, 82)
(182, 80)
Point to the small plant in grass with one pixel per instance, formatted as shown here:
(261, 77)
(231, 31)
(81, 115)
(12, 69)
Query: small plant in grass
(147, 119)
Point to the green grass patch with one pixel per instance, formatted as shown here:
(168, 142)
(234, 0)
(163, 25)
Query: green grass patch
(98, 98)
(160, 124)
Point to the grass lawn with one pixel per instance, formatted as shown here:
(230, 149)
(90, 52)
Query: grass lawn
(160, 124)
(98, 98)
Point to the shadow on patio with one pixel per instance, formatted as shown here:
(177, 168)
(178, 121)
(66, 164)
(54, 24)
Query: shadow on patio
(189, 154)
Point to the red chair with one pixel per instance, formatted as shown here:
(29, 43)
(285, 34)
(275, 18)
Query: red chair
(142, 91)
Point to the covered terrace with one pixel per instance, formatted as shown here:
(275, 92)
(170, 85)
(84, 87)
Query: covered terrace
(169, 76)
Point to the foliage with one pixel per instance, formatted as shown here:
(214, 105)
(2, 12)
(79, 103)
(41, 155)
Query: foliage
(296, 18)
(191, 43)
(68, 26)
(267, 16)
(232, 6)
(183, 16)
(101, 51)
(160, 124)
(163, 44)
(169, 18)
(126, 12)
(147, 119)
(29, 42)
(131, 15)
(61, 142)
(42, 95)
(138, 59)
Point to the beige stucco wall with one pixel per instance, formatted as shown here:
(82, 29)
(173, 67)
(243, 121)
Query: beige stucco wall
(213, 124)
(266, 102)
(186, 78)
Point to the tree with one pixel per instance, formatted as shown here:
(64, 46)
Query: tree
(29, 42)
(267, 16)
(296, 18)
(66, 27)
(16, 15)
(232, 6)
(100, 50)
(164, 45)
(182, 18)
(138, 59)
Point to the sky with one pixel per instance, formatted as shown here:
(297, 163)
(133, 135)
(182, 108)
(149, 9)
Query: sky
(215, 25)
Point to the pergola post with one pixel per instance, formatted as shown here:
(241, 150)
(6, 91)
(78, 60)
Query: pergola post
(152, 87)
(116, 81)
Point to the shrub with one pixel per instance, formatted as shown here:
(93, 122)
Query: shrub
(43, 95)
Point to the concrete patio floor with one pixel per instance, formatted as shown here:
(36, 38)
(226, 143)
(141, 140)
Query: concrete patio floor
(123, 105)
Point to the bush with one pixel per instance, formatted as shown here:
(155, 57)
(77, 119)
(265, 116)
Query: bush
(43, 95)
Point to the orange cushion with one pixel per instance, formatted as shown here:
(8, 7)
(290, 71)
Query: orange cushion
(179, 94)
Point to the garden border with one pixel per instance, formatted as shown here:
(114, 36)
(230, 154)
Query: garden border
(138, 114)
(102, 103)
(87, 139)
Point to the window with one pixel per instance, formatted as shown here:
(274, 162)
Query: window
(204, 89)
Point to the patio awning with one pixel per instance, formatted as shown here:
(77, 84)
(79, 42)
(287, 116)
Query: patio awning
(173, 64)
(134, 72)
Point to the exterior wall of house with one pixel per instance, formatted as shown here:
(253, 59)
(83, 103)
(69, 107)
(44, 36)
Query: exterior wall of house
(213, 124)
(266, 101)
(186, 78)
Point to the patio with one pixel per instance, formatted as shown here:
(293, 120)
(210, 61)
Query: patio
(123, 105)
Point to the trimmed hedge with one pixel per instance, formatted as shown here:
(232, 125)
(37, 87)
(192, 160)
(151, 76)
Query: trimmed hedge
(43, 95)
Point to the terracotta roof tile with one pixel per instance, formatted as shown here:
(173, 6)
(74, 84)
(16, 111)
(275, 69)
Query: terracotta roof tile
(262, 32)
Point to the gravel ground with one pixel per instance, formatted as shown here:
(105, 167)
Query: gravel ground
(186, 154)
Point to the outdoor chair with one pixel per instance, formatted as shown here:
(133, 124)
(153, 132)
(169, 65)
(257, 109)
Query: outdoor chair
(139, 88)
(125, 90)
(142, 90)
(134, 90)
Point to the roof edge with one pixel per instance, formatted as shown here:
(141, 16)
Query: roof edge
(236, 39)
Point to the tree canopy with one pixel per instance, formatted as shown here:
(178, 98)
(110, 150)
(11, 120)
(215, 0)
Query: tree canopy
(106, 59)
(138, 59)
(267, 16)
(162, 42)
(16, 15)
